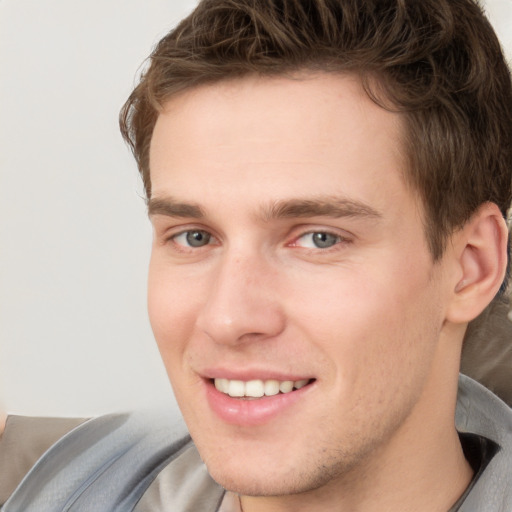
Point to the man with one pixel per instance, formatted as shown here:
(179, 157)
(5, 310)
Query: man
(327, 182)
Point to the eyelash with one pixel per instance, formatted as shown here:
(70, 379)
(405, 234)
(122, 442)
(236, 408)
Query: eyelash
(339, 240)
(182, 247)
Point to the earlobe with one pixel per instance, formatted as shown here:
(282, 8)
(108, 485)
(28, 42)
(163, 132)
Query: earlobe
(482, 260)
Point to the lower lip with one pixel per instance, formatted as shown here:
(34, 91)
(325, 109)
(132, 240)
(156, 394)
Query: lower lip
(236, 411)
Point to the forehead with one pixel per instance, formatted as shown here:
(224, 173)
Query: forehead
(306, 135)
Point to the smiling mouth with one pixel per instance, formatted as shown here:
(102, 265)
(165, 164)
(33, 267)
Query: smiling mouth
(258, 388)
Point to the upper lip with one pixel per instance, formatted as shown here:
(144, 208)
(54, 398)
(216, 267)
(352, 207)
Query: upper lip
(251, 374)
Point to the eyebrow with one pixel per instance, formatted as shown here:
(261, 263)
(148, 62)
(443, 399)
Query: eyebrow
(171, 208)
(327, 206)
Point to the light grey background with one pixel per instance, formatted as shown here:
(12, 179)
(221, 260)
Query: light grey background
(74, 238)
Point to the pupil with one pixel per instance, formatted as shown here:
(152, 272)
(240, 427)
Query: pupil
(197, 238)
(323, 240)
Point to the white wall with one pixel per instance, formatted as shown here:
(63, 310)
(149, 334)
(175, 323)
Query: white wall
(74, 239)
(500, 14)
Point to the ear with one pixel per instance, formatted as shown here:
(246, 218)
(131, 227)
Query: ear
(481, 248)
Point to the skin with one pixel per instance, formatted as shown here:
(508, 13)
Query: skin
(371, 317)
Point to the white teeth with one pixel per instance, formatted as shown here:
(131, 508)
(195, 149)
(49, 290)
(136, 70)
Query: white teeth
(300, 383)
(257, 388)
(286, 386)
(271, 387)
(222, 385)
(236, 388)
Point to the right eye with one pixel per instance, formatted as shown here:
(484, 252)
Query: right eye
(193, 238)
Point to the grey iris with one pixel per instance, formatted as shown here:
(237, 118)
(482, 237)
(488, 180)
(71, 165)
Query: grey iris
(324, 240)
(197, 238)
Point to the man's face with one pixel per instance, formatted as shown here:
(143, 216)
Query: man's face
(288, 248)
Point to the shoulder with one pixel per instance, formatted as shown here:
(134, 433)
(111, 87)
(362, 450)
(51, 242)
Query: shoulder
(480, 412)
(23, 441)
(107, 464)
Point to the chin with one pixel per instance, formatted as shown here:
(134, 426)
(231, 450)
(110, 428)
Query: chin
(259, 484)
(242, 475)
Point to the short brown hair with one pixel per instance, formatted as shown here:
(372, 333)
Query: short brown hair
(437, 61)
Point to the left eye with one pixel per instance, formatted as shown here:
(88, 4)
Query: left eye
(318, 240)
(196, 238)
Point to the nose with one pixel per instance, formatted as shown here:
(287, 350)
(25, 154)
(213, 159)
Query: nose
(242, 304)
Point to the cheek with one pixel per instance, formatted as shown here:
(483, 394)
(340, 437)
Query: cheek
(172, 312)
(370, 322)
(171, 307)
